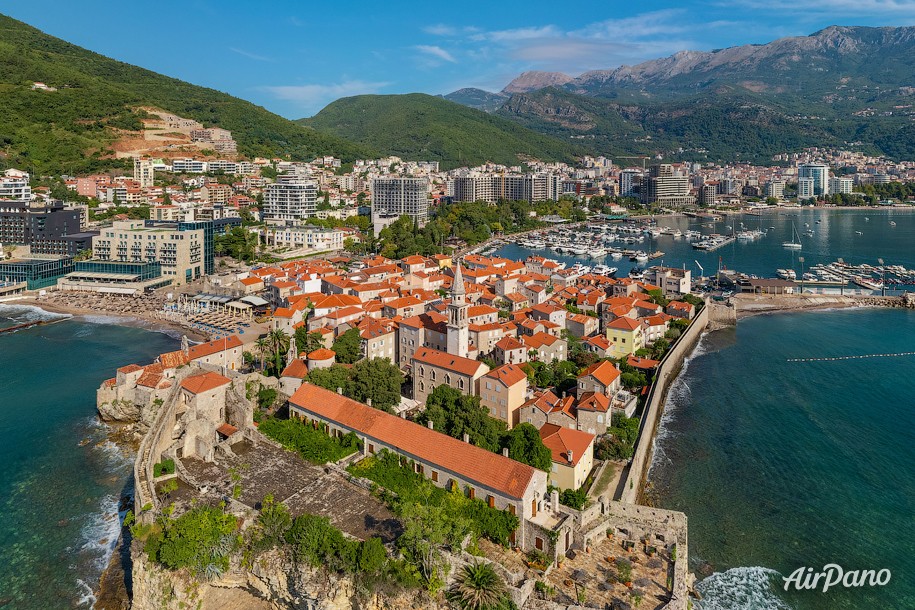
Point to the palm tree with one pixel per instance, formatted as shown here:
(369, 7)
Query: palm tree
(280, 342)
(262, 345)
(478, 587)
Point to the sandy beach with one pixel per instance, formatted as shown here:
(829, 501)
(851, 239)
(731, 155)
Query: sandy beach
(149, 319)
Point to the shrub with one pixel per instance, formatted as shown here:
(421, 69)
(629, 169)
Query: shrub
(573, 498)
(315, 446)
(266, 397)
(164, 467)
(200, 540)
(624, 570)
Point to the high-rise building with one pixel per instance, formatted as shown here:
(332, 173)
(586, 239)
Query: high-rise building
(47, 228)
(143, 171)
(806, 188)
(776, 189)
(291, 198)
(707, 194)
(401, 197)
(630, 180)
(664, 188)
(819, 173)
(840, 185)
(511, 187)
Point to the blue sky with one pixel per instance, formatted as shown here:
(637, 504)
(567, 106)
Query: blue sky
(295, 57)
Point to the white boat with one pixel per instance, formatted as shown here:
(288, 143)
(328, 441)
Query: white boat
(636, 274)
(892, 223)
(678, 233)
(858, 233)
(616, 255)
(598, 253)
(641, 257)
(793, 245)
(782, 273)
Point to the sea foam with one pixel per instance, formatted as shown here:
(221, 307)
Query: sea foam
(744, 588)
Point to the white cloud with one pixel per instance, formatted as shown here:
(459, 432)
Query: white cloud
(315, 96)
(250, 55)
(440, 29)
(436, 51)
(836, 8)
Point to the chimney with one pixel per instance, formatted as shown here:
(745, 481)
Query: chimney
(368, 401)
(505, 451)
(430, 425)
(571, 460)
(340, 391)
(466, 438)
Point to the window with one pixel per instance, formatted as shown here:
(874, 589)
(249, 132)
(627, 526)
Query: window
(471, 493)
(461, 383)
(371, 448)
(491, 501)
(434, 476)
(538, 542)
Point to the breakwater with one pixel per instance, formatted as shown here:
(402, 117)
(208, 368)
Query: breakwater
(637, 471)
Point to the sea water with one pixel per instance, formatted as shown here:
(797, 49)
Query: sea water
(60, 478)
(781, 465)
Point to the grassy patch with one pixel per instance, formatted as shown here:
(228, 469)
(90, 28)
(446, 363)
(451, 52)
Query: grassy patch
(314, 445)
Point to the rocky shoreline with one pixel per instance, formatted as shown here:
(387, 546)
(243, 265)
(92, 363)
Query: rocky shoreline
(756, 304)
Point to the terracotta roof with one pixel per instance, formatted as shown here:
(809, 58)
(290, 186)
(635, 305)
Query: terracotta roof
(283, 312)
(227, 430)
(322, 354)
(507, 374)
(474, 464)
(544, 400)
(172, 360)
(642, 363)
(509, 343)
(297, 369)
(433, 357)
(594, 401)
(604, 372)
(130, 368)
(213, 347)
(204, 382)
(562, 440)
(251, 281)
(538, 340)
(624, 323)
(480, 310)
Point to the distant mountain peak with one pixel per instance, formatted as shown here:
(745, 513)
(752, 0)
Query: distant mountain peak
(534, 80)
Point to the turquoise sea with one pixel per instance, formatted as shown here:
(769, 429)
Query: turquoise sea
(784, 465)
(781, 465)
(59, 500)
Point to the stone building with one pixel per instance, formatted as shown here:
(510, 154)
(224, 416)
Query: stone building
(432, 368)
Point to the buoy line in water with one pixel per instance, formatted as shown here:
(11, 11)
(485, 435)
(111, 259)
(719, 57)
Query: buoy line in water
(860, 357)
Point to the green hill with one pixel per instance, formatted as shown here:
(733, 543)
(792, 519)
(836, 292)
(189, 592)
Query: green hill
(423, 127)
(71, 128)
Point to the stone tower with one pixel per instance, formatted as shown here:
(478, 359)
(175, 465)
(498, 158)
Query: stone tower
(458, 324)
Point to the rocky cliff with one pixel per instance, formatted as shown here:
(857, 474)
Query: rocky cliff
(274, 582)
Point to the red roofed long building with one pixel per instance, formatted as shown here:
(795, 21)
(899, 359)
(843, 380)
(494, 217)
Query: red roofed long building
(499, 481)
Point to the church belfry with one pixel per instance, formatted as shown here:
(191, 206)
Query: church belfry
(458, 330)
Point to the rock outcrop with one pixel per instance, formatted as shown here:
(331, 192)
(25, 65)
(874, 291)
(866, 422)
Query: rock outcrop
(273, 582)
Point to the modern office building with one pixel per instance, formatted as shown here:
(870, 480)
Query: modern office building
(806, 188)
(114, 277)
(776, 189)
(401, 197)
(819, 173)
(184, 249)
(630, 181)
(290, 198)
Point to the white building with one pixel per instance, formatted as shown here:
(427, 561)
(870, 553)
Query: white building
(318, 239)
(806, 188)
(143, 171)
(189, 166)
(291, 198)
(819, 173)
(396, 197)
(14, 185)
(840, 185)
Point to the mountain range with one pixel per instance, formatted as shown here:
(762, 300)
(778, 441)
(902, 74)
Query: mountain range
(841, 86)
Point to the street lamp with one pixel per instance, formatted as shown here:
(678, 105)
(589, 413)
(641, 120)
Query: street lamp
(801, 259)
(882, 277)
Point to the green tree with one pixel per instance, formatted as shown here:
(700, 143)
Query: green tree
(425, 531)
(331, 378)
(573, 498)
(525, 445)
(377, 379)
(456, 414)
(262, 347)
(307, 342)
(478, 587)
(279, 343)
(348, 347)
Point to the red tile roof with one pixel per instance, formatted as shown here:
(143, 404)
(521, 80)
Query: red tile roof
(297, 369)
(204, 382)
(213, 347)
(172, 360)
(562, 440)
(474, 464)
(604, 372)
(508, 374)
(322, 354)
(130, 368)
(433, 357)
(624, 323)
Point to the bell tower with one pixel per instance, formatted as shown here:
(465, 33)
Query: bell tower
(458, 323)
